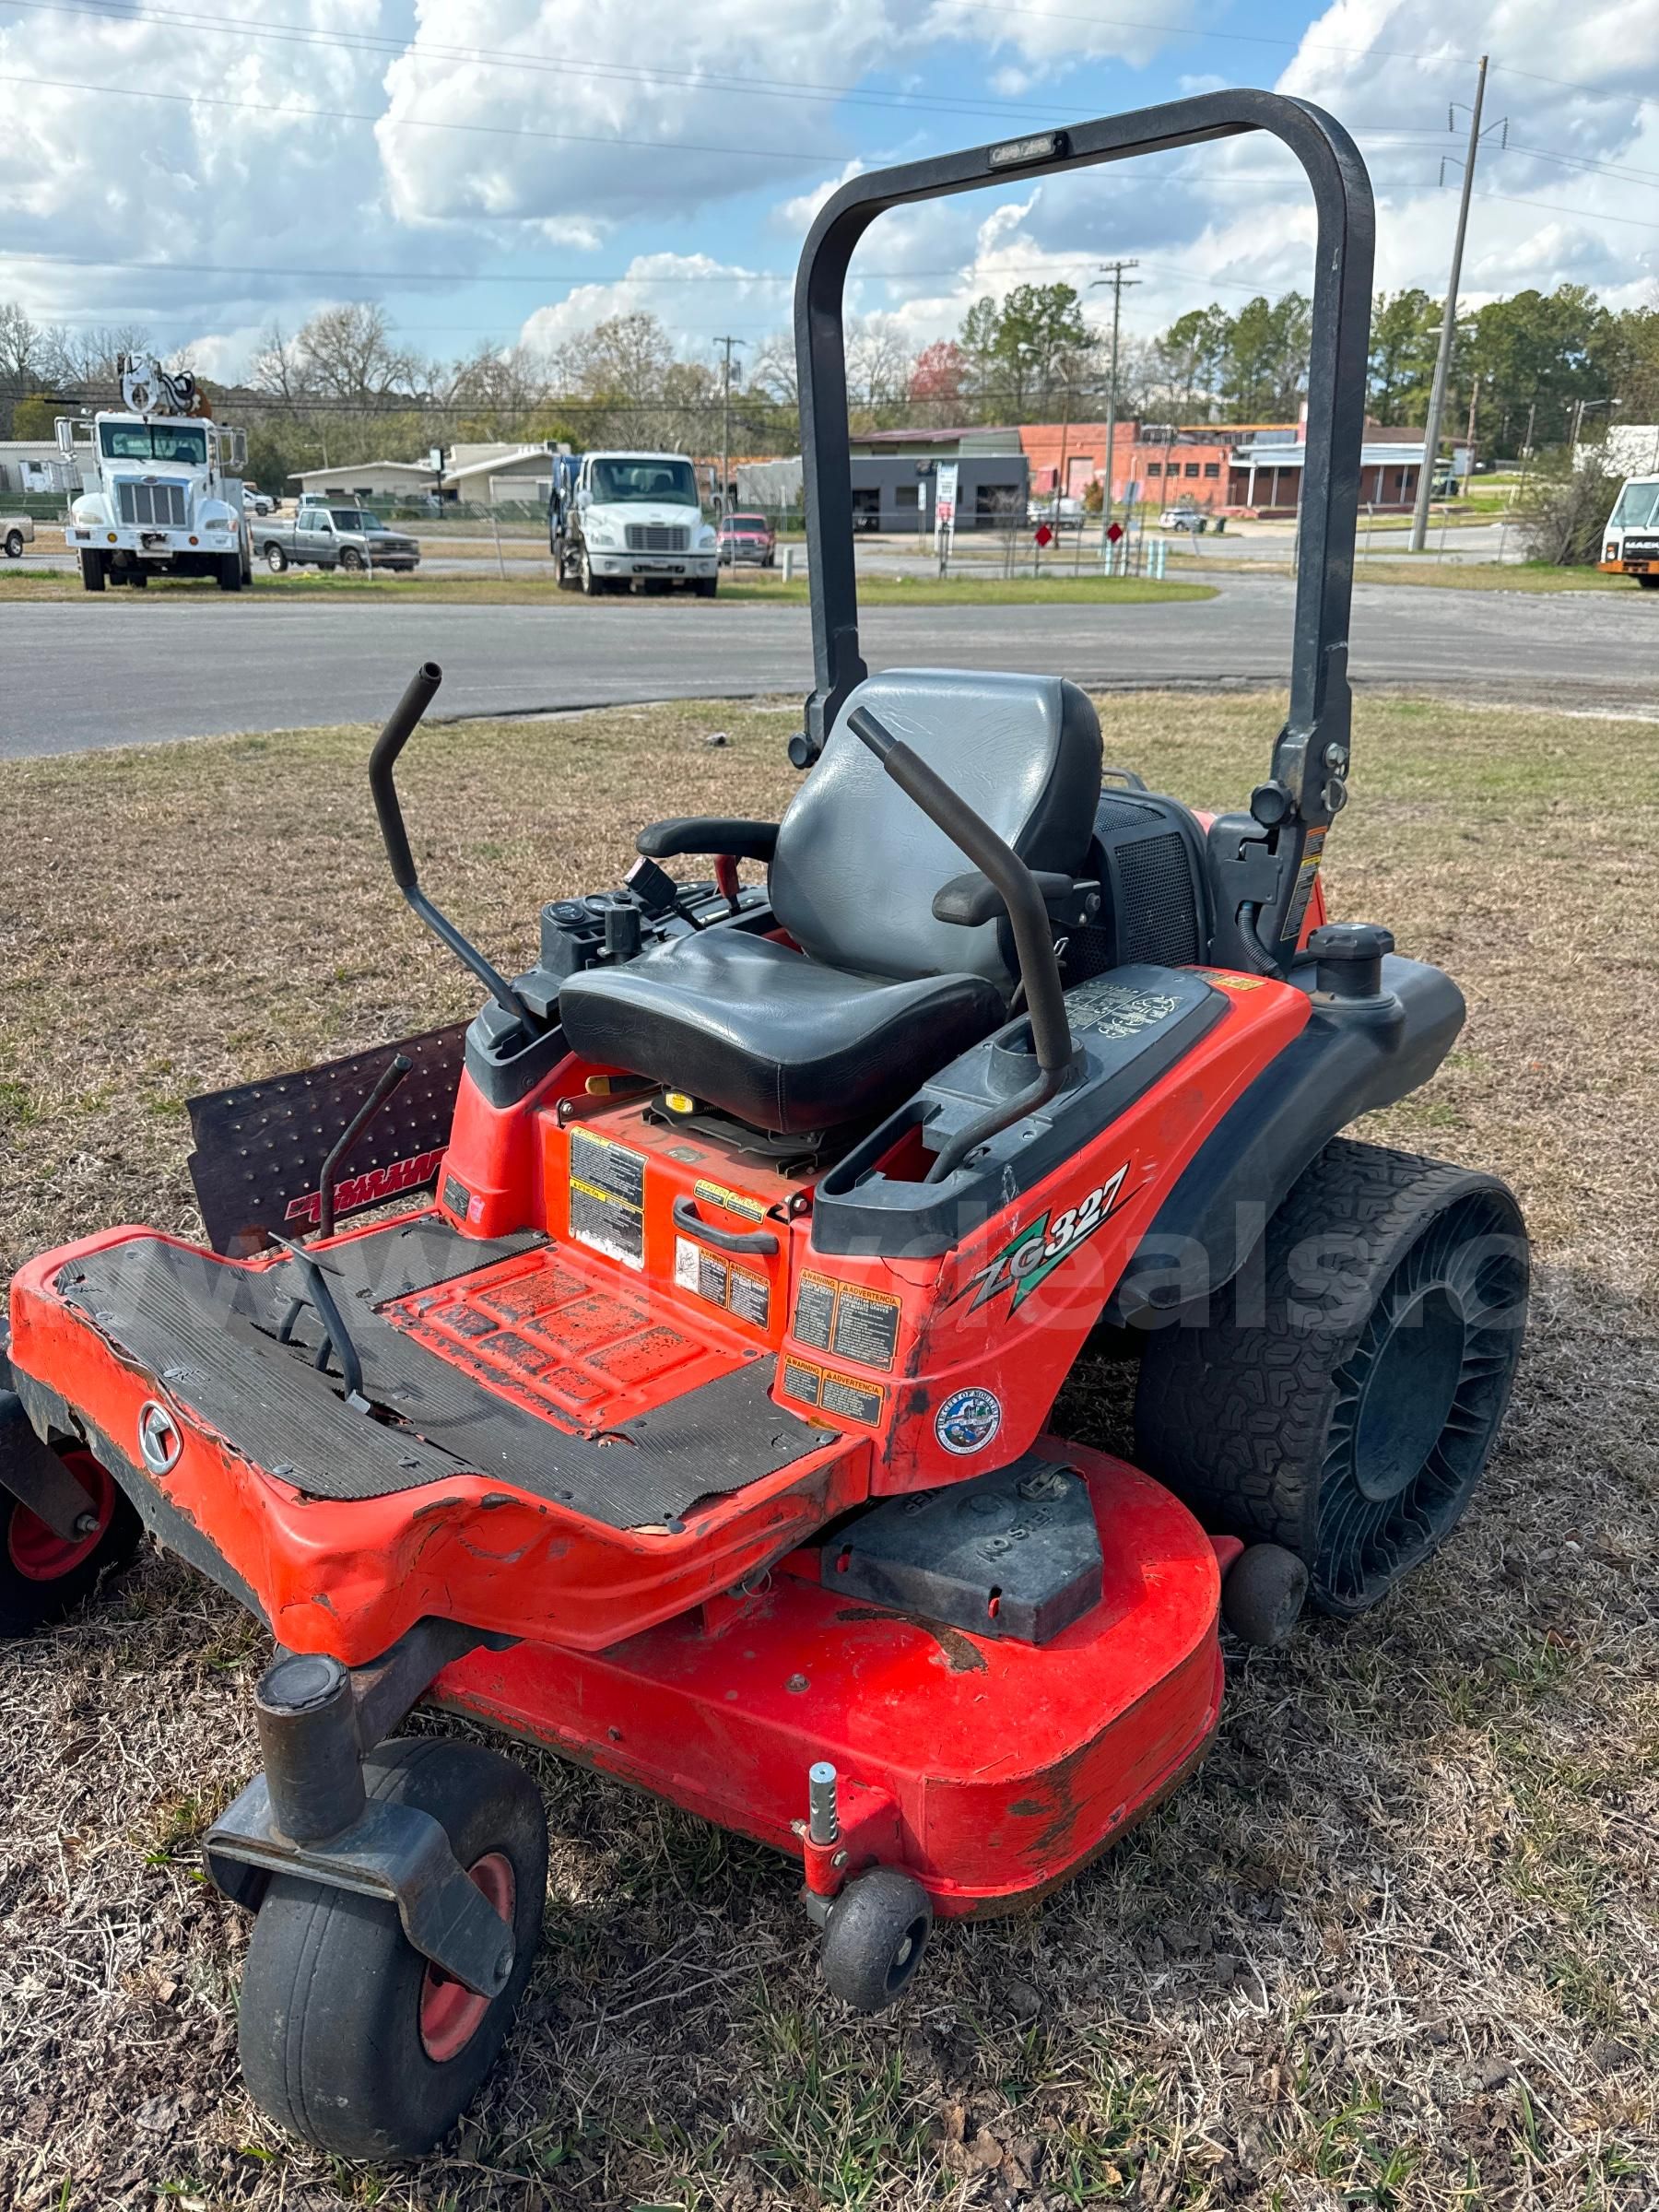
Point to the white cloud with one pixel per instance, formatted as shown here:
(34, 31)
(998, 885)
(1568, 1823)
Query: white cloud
(693, 294)
(692, 136)
(185, 177)
(797, 216)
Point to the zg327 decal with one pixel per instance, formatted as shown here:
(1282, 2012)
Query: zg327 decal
(1032, 1256)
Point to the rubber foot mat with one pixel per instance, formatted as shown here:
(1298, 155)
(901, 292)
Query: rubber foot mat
(206, 1329)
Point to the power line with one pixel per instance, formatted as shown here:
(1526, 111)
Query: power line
(542, 65)
(419, 122)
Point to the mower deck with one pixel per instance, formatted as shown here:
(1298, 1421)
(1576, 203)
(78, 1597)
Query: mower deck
(987, 1767)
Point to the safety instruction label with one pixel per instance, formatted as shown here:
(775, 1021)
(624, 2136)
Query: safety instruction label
(1306, 876)
(841, 1318)
(735, 1201)
(740, 1290)
(833, 1393)
(607, 1197)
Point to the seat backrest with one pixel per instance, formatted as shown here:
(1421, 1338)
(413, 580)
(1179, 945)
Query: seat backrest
(858, 862)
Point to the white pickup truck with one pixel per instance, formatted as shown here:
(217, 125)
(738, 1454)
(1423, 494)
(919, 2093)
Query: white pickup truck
(334, 538)
(16, 532)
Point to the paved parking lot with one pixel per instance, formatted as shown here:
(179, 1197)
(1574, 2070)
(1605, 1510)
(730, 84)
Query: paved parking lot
(114, 672)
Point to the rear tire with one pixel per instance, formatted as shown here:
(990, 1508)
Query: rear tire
(275, 560)
(92, 571)
(136, 580)
(14, 545)
(1349, 1412)
(44, 1576)
(348, 2038)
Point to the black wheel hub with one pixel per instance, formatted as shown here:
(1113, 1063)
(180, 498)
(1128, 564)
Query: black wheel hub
(1408, 1394)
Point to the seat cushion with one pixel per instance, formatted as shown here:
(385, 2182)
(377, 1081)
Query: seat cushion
(750, 1027)
(857, 863)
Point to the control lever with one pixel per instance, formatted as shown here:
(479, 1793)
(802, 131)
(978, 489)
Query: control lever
(400, 727)
(1034, 942)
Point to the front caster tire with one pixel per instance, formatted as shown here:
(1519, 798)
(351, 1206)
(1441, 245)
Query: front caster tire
(1343, 1399)
(1263, 1594)
(874, 1937)
(349, 2039)
(44, 1576)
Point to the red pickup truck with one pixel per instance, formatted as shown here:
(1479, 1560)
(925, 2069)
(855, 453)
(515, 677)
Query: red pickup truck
(749, 538)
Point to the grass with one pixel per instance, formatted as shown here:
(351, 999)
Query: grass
(1449, 575)
(1394, 1947)
(540, 591)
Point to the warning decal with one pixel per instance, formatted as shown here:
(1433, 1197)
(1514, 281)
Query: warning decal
(607, 1197)
(1305, 877)
(840, 1317)
(738, 1289)
(735, 1201)
(822, 1387)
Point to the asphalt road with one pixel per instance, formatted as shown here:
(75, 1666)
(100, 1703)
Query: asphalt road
(122, 670)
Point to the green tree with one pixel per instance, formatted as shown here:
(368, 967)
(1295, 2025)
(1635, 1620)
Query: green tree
(1022, 355)
(36, 414)
(1186, 363)
(1265, 369)
(1403, 341)
(1537, 353)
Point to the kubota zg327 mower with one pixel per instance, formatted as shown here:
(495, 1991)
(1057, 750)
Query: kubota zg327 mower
(688, 1416)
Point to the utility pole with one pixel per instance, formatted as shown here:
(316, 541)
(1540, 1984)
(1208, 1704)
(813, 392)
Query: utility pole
(1112, 273)
(1443, 360)
(726, 420)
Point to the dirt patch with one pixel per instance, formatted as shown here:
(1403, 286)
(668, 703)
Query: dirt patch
(1396, 1946)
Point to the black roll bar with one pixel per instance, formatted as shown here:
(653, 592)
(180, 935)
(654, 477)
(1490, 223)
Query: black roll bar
(1311, 754)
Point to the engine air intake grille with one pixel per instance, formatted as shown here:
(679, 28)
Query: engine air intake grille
(658, 537)
(1160, 922)
(152, 506)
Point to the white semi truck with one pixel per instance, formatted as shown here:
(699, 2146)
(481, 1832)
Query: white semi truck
(622, 517)
(161, 492)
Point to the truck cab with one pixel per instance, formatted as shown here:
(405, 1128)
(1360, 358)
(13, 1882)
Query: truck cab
(1631, 542)
(633, 516)
(161, 489)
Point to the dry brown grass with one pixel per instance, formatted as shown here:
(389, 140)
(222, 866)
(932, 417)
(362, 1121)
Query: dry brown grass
(1397, 1946)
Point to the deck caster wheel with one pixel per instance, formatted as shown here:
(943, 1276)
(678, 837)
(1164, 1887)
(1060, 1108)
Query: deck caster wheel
(351, 2040)
(874, 1936)
(44, 1576)
(1263, 1594)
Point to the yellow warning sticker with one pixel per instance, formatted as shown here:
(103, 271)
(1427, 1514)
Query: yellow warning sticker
(735, 1201)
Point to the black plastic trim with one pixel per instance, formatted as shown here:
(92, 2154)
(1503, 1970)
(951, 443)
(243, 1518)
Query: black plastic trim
(1354, 1055)
(857, 1210)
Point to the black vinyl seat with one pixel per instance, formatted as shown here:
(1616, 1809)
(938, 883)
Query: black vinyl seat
(880, 994)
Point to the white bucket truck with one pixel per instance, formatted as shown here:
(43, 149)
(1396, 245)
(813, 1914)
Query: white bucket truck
(161, 491)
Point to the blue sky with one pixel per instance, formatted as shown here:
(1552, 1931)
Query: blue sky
(492, 168)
